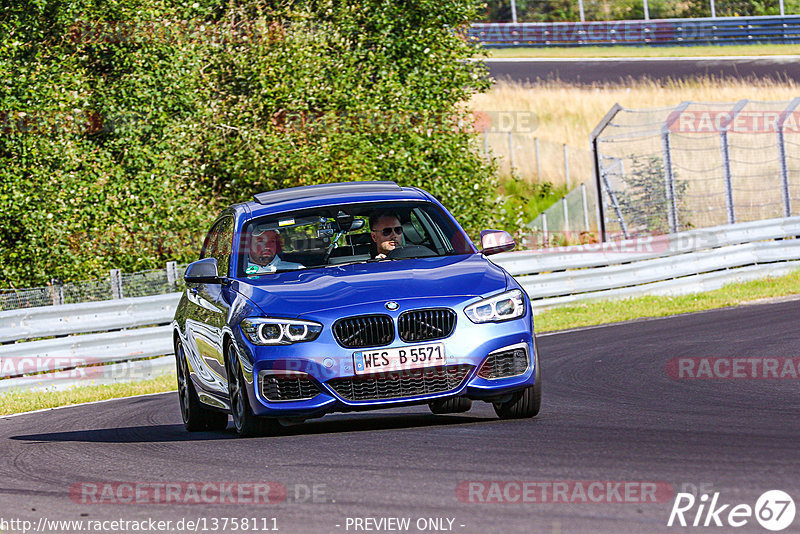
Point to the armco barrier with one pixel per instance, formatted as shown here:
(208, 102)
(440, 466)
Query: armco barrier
(692, 261)
(697, 31)
(699, 260)
(27, 323)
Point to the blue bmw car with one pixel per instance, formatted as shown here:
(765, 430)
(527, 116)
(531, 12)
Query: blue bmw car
(350, 296)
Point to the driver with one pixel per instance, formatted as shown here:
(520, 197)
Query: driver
(264, 253)
(386, 232)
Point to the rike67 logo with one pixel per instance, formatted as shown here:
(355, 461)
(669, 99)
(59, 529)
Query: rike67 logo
(774, 510)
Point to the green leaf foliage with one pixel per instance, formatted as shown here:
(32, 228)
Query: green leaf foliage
(125, 126)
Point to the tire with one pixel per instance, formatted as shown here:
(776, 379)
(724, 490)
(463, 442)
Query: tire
(196, 417)
(452, 405)
(246, 424)
(523, 404)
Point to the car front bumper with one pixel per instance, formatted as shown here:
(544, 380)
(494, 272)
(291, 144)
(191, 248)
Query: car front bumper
(317, 367)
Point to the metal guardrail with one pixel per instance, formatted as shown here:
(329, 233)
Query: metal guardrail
(82, 338)
(699, 260)
(696, 31)
(679, 263)
(644, 248)
(28, 323)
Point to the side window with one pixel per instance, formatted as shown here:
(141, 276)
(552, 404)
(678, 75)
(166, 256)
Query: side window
(415, 222)
(218, 244)
(210, 244)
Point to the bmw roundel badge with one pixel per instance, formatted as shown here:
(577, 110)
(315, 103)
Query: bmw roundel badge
(391, 305)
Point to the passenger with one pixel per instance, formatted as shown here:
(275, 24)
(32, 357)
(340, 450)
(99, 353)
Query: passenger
(265, 253)
(387, 233)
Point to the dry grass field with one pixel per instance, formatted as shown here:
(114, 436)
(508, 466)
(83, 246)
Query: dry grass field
(567, 114)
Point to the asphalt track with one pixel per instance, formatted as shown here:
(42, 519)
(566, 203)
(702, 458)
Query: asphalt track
(611, 413)
(589, 71)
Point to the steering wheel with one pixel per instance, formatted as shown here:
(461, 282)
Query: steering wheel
(411, 251)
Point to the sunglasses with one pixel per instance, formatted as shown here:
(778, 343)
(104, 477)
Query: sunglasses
(386, 232)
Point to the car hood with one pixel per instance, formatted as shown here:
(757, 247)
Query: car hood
(291, 294)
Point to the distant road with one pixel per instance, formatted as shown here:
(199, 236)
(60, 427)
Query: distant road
(615, 70)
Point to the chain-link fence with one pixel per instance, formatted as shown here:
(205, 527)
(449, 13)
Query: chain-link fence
(537, 160)
(114, 286)
(697, 165)
(572, 220)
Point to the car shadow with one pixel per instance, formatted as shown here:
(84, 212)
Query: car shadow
(176, 433)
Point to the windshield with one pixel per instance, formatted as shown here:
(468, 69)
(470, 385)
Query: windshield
(337, 235)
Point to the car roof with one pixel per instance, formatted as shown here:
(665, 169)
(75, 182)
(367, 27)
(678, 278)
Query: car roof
(311, 196)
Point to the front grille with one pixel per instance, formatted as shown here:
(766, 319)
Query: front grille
(364, 331)
(398, 384)
(504, 364)
(288, 387)
(426, 325)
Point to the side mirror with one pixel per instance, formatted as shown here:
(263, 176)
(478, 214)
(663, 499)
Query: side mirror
(495, 241)
(202, 272)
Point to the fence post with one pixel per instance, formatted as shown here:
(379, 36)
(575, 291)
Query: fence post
(538, 167)
(544, 229)
(566, 166)
(787, 199)
(669, 176)
(726, 159)
(566, 217)
(115, 276)
(172, 273)
(585, 207)
(511, 150)
(57, 287)
(615, 205)
(601, 219)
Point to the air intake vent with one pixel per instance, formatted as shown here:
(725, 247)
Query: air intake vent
(505, 364)
(399, 384)
(288, 387)
(364, 331)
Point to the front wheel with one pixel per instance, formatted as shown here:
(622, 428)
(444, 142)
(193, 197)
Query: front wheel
(244, 421)
(196, 417)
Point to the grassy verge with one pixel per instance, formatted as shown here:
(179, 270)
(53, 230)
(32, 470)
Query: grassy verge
(602, 312)
(647, 51)
(27, 401)
(588, 314)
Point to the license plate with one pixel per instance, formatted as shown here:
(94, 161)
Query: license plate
(398, 359)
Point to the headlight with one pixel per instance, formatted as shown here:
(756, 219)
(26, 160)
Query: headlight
(502, 307)
(268, 331)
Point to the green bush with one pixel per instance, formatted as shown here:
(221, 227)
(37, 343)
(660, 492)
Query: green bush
(643, 201)
(127, 126)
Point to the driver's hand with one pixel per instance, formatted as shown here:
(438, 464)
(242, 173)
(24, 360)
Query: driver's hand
(380, 257)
